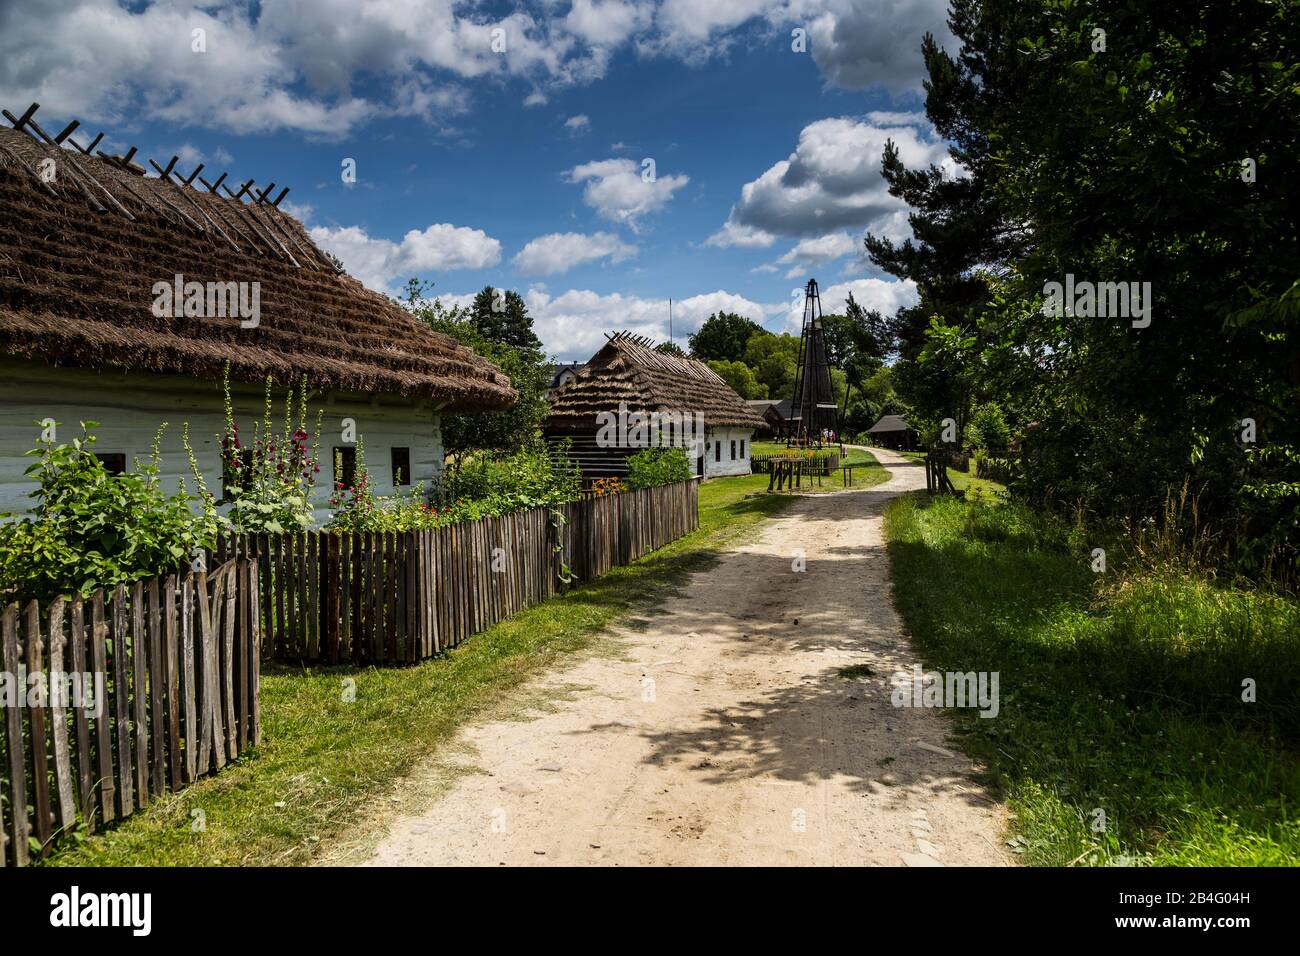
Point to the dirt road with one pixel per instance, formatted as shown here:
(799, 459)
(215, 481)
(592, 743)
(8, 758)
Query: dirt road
(725, 732)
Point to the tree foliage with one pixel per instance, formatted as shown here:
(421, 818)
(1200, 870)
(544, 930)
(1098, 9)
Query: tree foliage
(1109, 141)
(723, 337)
(506, 339)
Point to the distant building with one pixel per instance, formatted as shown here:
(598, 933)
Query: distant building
(629, 375)
(892, 431)
(563, 374)
(775, 414)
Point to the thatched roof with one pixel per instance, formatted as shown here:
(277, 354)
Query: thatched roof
(627, 369)
(889, 423)
(79, 257)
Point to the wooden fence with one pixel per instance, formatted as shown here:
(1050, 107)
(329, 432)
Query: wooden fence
(178, 656)
(401, 597)
(173, 665)
(937, 462)
(824, 463)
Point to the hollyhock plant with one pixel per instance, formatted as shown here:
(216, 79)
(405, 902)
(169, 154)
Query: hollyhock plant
(269, 481)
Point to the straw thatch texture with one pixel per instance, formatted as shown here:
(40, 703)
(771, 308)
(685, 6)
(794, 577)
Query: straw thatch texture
(79, 258)
(627, 370)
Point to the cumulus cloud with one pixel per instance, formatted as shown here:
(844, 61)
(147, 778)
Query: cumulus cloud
(572, 325)
(863, 43)
(621, 191)
(294, 64)
(831, 181)
(578, 125)
(811, 252)
(561, 251)
(885, 295)
(608, 23)
(377, 263)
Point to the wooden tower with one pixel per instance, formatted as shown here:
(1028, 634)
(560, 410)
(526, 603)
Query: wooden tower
(812, 408)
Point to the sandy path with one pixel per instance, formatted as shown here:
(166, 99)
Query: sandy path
(725, 734)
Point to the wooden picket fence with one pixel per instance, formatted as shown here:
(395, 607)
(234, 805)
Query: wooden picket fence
(180, 655)
(401, 597)
(821, 463)
(177, 660)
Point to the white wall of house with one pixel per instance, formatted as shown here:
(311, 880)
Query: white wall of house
(727, 451)
(131, 406)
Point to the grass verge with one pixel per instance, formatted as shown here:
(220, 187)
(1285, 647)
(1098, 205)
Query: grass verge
(325, 764)
(1121, 695)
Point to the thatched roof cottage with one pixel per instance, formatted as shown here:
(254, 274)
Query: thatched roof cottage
(122, 298)
(630, 396)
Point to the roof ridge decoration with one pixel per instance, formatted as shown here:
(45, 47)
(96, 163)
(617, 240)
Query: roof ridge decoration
(244, 225)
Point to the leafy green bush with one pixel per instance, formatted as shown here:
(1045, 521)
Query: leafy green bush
(485, 488)
(657, 466)
(94, 529)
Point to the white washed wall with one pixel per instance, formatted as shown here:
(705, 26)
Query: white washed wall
(131, 406)
(739, 465)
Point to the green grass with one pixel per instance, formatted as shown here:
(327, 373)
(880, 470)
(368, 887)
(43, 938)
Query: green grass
(326, 766)
(1120, 692)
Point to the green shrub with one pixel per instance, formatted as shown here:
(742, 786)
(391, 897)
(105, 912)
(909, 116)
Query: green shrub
(657, 466)
(93, 529)
(485, 488)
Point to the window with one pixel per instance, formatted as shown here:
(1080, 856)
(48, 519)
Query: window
(114, 462)
(401, 466)
(671, 440)
(345, 465)
(742, 448)
(717, 450)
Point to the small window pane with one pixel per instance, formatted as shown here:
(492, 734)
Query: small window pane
(401, 466)
(114, 462)
(345, 465)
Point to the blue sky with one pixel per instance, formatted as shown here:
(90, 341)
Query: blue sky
(525, 167)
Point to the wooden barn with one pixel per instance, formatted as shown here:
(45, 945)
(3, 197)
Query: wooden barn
(892, 431)
(123, 296)
(775, 414)
(630, 396)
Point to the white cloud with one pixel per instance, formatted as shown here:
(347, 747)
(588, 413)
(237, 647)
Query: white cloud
(378, 263)
(885, 295)
(294, 64)
(577, 125)
(811, 252)
(733, 233)
(607, 23)
(561, 251)
(572, 325)
(618, 190)
(831, 181)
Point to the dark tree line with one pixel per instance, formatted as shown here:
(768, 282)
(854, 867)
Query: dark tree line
(1147, 141)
